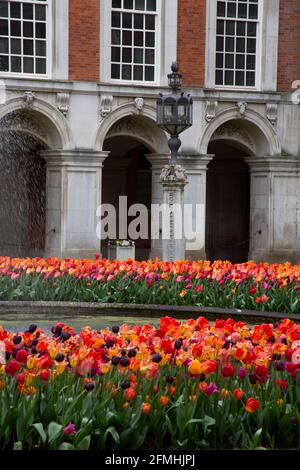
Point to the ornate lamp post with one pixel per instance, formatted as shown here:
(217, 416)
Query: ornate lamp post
(174, 115)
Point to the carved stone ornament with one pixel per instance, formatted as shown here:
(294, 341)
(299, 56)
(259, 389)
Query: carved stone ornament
(139, 105)
(106, 103)
(63, 102)
(242, 106)
(211, 110)
(233, 131)
(272, 113)
(130, 126)
(173, 174)
(28, 98)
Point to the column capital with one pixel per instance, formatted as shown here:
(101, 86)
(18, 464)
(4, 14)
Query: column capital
(280, 164)
(194, 162)
(74, 158)
(158, 160)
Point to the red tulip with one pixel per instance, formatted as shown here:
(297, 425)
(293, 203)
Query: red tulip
(228, 370)
(12, 367)
(252, 405)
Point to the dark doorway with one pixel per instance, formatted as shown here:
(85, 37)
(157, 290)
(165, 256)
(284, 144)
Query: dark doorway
(22, 195)
(127, 172)
(227, 204)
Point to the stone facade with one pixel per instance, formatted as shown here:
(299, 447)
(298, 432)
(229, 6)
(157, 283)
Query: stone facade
(79, 117)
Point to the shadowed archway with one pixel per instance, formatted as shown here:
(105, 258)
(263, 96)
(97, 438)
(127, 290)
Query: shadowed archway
(227, 203)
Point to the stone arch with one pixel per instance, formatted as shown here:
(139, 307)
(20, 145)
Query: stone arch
(128, 121)
(252, 131)
(39, 119)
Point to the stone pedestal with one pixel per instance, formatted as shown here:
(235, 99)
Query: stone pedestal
(74, 187)
(275, 206)
(194, 196)
(173, 179)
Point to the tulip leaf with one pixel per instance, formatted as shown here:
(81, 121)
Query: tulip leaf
(40, 429)
(66, 446)
(113, 432)
(54, 430)
(84, 444)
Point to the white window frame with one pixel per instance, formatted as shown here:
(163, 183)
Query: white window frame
(165, 43)
(57, 63)
(267, 47)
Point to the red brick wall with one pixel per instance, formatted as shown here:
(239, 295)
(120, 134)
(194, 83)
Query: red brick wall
(289, 44)
(84, 40)
(191, 41)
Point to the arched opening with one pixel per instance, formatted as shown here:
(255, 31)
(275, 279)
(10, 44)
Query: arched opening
(127, 172)
(22, 194)
(227, 203)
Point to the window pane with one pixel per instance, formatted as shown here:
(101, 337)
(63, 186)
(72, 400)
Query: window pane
(229, 75)
(115, 54)
(128, 4)
(138, 56)
(115, 71)
(115, 36)
(40, 66)
(15, 45)
(126, 72)
(127, 38)
(229, 61)
(220, 27)
(230, 28)
(150, 39)
(40, 13)
(4, 27)
(127, 21)
(116, 3)
(27, 11)
(127, 55)
(15, 10)
(231, 10)
(138, 21)
(240, 78)
(140, 4)
(151, 5)
(116, 20)
(138, 39)
(221, 9)
(28, 29)
(15, 28)
(3, 45)
(149, 74)
(240, 61)
(40, 48)
(16, 64)
(4, 63)
(250, 79)
(40, 30)
(138, 72)
(27, 47)
(251, 62)
(150, 22)
(149, 56)
(4, 9)
(219, 61)
(28, 65)
(219, 77)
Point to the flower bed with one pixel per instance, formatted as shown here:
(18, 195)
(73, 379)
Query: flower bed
(249, 286)
(221, 385)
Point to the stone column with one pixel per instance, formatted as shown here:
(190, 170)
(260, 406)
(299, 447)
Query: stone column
(274, 209)
(74, 187)
(173, 179)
